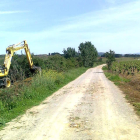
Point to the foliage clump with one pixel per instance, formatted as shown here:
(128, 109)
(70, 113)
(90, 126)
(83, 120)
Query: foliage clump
(88, 54)
(110, 58)
(70, 52)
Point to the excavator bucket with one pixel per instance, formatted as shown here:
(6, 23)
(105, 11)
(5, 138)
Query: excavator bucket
(36, 69)
(5, 82)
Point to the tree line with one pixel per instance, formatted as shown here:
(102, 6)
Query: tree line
(123, 55)
(85, 56)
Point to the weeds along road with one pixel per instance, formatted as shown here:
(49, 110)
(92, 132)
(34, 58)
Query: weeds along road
(89, 108)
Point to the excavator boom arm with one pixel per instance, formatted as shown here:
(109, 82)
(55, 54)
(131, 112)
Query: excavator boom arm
(9, 54)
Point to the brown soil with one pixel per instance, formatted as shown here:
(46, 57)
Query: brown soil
(132, 88)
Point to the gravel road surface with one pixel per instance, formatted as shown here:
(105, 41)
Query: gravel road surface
(89, 108)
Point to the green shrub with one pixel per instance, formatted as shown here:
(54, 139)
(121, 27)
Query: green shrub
(20, 68)
(56, 62)
(2, 122)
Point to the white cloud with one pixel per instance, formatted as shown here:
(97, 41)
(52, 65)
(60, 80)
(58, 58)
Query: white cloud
(11, 12)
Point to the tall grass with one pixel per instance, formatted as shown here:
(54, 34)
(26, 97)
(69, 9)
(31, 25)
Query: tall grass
(22, 96)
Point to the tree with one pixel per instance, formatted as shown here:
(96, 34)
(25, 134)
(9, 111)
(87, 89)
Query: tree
(88, 53)
(110, 58)
(70, 52)
(55, 53)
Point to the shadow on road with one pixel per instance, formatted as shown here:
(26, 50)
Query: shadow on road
(98, 72)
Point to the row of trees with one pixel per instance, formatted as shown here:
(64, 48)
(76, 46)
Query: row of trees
(86, 56)
(132, 55)
(121, 55)
(87, 53)
(115, 55)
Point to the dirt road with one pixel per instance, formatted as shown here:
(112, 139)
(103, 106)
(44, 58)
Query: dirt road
(89, 108)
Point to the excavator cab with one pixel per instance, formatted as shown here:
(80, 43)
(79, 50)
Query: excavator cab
(4, 81)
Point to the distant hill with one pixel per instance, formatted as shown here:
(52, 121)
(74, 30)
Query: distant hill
(137, 53)
(100, 53)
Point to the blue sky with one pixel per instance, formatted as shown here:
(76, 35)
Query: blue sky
(50, 26)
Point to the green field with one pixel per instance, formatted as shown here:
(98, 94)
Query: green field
(127, 59)
(122, 59)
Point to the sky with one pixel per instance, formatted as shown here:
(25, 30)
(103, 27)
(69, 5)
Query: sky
(52, 25)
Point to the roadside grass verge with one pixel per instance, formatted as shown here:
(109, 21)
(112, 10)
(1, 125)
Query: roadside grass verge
(16, 100)
(129, 85)
(116, 78)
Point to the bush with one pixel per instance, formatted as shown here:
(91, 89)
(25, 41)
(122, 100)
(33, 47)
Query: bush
(2, 122)
(56, 62)
(110, 58)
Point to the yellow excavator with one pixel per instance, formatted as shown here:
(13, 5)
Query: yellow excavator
(10, 50)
